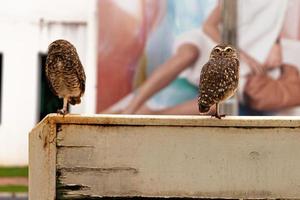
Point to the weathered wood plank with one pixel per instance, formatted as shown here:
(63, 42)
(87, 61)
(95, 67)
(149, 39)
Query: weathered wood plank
(42, 161)
(176, 161)
(174, 120)
(164, 156)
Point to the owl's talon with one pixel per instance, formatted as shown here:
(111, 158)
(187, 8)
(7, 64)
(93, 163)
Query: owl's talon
(62, 112)
(218, 116)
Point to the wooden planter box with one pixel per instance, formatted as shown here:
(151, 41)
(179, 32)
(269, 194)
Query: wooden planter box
(79, 157)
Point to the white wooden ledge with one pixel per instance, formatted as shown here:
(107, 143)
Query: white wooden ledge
(79, 157)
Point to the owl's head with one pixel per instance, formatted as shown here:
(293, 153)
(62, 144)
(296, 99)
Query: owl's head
(224, 51)
(60, 44)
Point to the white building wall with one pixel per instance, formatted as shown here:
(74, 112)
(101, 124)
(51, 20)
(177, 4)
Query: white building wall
(22, 38)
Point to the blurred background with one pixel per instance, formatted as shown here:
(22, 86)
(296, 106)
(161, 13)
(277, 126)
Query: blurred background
(114, 38)
(27, 27)
(120, 43)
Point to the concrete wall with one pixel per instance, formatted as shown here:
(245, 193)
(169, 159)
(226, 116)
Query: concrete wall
(27, 27)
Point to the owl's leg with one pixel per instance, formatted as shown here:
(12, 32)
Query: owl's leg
(64, 110)
(217, 115)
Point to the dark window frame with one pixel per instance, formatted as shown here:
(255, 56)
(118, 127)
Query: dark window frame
(47, 101)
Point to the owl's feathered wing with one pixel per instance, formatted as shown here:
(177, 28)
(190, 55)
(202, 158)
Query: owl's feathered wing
(218, 81)
(49, 62)
(81, 77)
(77, 70)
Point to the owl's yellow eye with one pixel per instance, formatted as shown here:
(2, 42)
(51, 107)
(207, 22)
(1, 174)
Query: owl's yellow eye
(228, 50)
(217, 50)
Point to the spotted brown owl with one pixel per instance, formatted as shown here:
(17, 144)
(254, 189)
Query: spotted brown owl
(65, 73)
(219, 78)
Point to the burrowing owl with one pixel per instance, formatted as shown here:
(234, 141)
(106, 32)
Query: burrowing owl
(219, 78)
(65, 73)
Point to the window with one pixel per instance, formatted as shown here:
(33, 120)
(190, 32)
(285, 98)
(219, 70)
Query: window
(49, 103)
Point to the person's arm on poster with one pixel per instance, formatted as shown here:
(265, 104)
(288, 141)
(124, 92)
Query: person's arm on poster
(211, 28)
(274, 58)
(186, 55)
(169, 71)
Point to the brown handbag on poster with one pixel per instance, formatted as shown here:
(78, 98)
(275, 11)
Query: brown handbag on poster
(264, 93)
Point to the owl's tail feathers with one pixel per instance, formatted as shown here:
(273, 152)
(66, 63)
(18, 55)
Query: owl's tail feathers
(74, 100)
(203, 108)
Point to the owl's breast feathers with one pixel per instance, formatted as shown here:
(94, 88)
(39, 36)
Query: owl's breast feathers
(218, 80)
